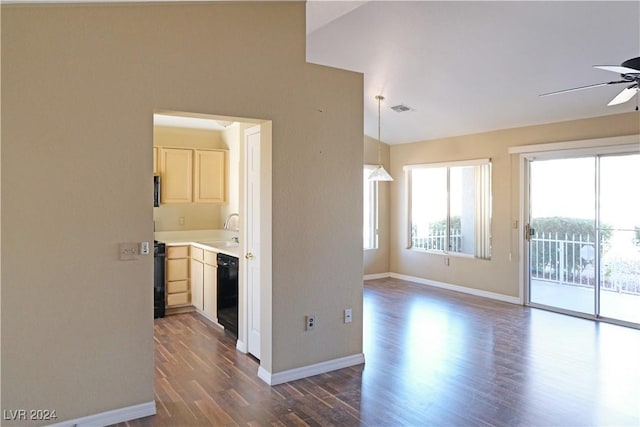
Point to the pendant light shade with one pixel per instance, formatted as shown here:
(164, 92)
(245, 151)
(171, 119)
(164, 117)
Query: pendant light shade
(379, 173)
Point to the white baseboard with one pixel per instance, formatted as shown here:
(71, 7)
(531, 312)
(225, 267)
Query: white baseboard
(376, 276)
(456, 288)
(264, 375)
(310, 370)
(111, 417)
(241, 346)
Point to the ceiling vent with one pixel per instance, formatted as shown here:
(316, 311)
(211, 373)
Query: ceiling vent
(400, 108)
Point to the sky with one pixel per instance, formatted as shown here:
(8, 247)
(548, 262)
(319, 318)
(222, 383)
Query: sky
(566, 187)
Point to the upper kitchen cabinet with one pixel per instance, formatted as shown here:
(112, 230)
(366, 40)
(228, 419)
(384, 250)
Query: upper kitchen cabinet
(192, 176)
(209, 176)
(176, 175)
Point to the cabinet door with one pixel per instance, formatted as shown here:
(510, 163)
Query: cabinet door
(197, 274)
(210, 290)
(209, 176)
(176, 172)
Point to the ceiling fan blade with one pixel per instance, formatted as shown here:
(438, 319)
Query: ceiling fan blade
(584, 87)
(617, 69)
(626, 94)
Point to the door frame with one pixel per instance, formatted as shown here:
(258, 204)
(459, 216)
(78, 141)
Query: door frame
(565, 149)
(266, 225)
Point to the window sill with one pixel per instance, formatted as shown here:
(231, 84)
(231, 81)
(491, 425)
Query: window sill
(448, 254)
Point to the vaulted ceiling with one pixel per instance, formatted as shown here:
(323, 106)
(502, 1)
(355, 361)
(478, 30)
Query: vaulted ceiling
(468, 67)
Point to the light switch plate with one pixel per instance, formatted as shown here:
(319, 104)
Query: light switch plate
(129, 251)
(144, 248)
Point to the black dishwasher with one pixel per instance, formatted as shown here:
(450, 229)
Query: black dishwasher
(228, 293)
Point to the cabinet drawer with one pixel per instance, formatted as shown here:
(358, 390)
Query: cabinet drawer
(177, 286)
(210, 258)
(177, 252)
(178, 299)
(197, 253)
(177, 269)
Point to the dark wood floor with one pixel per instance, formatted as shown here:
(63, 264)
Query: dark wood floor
(433, 357)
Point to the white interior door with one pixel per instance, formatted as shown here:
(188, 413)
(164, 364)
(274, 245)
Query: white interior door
(252, 238)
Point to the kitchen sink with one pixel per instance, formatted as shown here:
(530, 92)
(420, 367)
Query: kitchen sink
(221, 244)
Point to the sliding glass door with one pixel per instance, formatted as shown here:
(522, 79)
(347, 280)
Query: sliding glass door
(562, 234)
(584, 235)
(620, 230)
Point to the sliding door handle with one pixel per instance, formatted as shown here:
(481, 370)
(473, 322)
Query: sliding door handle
(529, 232)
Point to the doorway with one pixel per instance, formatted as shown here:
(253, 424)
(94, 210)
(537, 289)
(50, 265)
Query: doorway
(583, 234)
(243, 166)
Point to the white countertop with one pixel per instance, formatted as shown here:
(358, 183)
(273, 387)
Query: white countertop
(200, 238)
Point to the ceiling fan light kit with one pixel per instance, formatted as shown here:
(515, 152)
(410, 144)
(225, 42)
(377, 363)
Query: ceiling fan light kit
(629, 71)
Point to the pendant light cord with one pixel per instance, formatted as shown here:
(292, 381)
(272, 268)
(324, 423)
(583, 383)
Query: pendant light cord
(379, 98)
(379, 173)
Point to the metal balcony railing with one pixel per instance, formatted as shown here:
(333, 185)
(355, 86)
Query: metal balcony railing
(438, 241)
(569, 259)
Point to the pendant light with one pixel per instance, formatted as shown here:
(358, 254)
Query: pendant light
(379, 174)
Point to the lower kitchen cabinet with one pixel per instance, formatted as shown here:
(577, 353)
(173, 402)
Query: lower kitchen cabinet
(204, 275)
(177, 276)
(210, 290)
(197, 277)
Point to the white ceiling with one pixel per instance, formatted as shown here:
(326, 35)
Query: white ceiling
(468, 67)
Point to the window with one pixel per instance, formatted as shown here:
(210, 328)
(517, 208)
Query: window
(370, 209)
(450, 207)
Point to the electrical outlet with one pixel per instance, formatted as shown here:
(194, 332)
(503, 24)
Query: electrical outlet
(129, 251)
(310, 322)
(347, 315)
(181, 220)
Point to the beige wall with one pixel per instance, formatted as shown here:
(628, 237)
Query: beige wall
(80, 84)
(377, 260)
(195, 217)
(500, 274)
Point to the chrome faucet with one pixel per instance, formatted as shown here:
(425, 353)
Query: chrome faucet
(226, 221)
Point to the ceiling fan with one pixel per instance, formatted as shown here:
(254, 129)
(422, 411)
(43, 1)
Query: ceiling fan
(629, 71)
